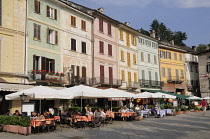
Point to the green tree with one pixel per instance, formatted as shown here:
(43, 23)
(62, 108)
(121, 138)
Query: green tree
(155, 26)
(144, 32)
(202, 47)
(179, 37)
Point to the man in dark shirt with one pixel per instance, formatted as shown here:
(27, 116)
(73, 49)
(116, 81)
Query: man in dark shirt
(203, 103)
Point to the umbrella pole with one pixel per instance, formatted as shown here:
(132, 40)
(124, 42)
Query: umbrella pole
(40, 105)
(81, 104)
(111, 104)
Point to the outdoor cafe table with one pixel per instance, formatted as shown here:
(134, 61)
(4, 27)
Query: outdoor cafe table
(125, 114)
(40, 122)
(161, 113)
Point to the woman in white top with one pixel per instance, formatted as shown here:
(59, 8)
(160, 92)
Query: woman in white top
(89, 112)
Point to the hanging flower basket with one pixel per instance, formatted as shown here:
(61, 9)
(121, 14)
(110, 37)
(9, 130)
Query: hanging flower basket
(57, 74)
(62, 74)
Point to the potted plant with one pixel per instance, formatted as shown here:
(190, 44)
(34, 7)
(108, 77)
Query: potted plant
(196, 109)
(177, 111)
(14, 124)
(25, 127)
(184, 110)
(6, 123)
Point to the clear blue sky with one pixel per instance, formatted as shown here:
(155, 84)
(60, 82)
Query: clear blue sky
(190, 16)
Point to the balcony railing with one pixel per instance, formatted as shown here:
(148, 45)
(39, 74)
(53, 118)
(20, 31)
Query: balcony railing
(107, 81)
(175, 79)
(131, 84)
(150, 84)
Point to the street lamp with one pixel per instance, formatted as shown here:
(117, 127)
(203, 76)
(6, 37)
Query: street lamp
(23, 97)
(70, 73)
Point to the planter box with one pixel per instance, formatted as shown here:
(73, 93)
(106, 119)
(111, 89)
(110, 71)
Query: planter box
(13, 128)
(178, 112)
(6, 128)
(185, 112)
(196, 110)
(24, 130)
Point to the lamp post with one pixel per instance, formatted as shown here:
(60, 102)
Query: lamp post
(70, 73)
(22, 99)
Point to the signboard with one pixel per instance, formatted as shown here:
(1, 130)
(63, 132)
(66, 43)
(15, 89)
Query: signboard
(28, 107)
(116, 99)
(175, 103)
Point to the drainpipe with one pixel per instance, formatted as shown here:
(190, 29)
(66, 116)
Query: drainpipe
(26, 23)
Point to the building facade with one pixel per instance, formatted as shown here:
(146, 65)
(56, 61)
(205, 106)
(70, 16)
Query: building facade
(172, 68)
(148, 62)
(127, 57)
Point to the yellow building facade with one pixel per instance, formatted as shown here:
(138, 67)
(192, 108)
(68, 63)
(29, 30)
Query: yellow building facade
(172, 68)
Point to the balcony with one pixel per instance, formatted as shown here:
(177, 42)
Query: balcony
(175, 79)
(133, 85)
(107, 81)
(151, 84)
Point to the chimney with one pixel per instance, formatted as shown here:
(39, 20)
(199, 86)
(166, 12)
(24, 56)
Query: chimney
(172, 42)
(194, 48)
(207, 48)
(127, 24)
(101, 10)
(152, 33)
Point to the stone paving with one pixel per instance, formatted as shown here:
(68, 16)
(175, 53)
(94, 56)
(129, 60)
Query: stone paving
(185, 126)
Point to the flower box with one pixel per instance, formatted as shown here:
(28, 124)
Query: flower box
(6, 128)
(24, 130)
(13, 128)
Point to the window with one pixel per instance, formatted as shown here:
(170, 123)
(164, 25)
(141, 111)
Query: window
(168, 55)
(128, 60)
(180, 57)
(196, 69)
(73, 21)
(150, 75)
(148, 58)
(0, 53)
(101, 25)
(135, 77)
(182, 73)
(123, 75)
(0, 12)
(134, 59)
(83, 25)
(191, 68)
(134, 40)
(162, 54)
(208, 68)
(163, 72)
(110, 75)
(84, 47)
(52, 36)
(109, 49)
(36, 6)
(129, 76)
(156, 76)
(128, 39)
(141, 40)
(175, 56)
(177, 74)
(122, 55)
(101, 73)
(143, 75)
(73, 45)
(84, 73)
(37, 29)
(109, 29)
(155, 60)
(51, 13)
(101, 45)
(142, 56)
(169, 73)
(121, 35)
(45, 63)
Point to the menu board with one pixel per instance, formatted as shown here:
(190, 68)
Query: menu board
(28, 107)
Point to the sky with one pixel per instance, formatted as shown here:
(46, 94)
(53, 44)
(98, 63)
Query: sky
(190, 16)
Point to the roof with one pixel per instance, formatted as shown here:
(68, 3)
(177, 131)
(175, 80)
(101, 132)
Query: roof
(189, 50)
(177, 95)
(171, 46)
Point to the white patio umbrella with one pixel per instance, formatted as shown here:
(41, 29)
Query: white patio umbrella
(111, 93)
(206, 98)
(162, 95)
(143, 95)
(194, 98)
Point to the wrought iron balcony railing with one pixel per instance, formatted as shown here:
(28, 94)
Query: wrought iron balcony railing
(131, 84)
(175, 79)
(107, 81)
(150, 84)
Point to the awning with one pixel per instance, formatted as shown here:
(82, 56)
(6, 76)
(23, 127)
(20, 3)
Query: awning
(177, 95)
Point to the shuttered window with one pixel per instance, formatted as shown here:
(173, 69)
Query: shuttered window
(156, 76)
(155, 60)
(84, 72)
(52, 36)
(51, 13)
(0, 12)
(162, 54)
(129, 76)
(109, 49)
(149, 58)
(142, 56)
(73, 44)
(101, 25)
(122, 55)
(36, 6)
(134, 59)
(143, 75)
(83, 25)
(128, 39)
(150, 75)
(180, 57)
(109, 29)
(163, 72)
(84, 47)
(37, 33)
(134, 40)
(121, 35)
(110, 74)
(101, 45)
(73, 21)
(135, 77)
(101, 73)
(128, 60)
(182, 73)
(177, 74)
(175, 56)
(123, 75)
(168, 55)
(169, 73)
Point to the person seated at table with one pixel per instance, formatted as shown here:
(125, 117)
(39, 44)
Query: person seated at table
(33, 115)
(97, 118)
(51, 112)
(108, 112)
(137, 108)
(39, 116)
(89, 112)
(17, 113)
(103, 115)
(7, 113)
(121, 108)
(74, 112)
(125, 109)
(142, 107)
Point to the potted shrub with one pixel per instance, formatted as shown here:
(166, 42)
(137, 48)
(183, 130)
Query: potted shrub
(196, 109)
(177, 111)
(25, 128)
(14, 124)
(184, 110)
(6, 123)
(191, 107)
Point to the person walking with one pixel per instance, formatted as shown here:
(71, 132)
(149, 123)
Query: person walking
(203, 104)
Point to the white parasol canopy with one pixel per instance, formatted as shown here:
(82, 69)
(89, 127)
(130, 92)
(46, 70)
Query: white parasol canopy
(194, 98)
(111, 93)
(143, 95)
(162, 95)
(38, 92)
(206, 98)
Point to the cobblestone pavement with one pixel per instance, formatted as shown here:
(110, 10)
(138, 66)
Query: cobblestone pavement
(185, 126)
